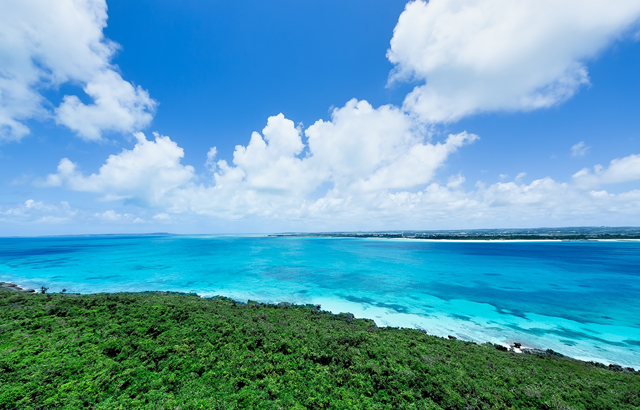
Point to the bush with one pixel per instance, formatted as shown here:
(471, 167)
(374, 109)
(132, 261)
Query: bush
(166, 350)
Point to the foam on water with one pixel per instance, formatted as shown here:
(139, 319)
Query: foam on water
(581, 299)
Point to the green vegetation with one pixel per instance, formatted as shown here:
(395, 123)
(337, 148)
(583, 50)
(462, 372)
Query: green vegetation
(162, 351)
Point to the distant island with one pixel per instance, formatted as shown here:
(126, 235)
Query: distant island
(562, 234)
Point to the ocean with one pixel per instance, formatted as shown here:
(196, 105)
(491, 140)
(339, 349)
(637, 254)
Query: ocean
(579, 298)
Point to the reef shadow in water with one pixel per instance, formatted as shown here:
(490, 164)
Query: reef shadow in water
(461, 317)
(368, 301)
(327, 278)
(586, 307)
(102, 277)
(563, 332)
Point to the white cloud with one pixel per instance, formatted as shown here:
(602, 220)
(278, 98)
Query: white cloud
(145, 174)
(579, 150)
(44, 44)
(112, 216)
(620, 170)
(211, 158)
(513, 204)
(118, 106)
(375, 149)
(32, 211)
(270, 164)
(500, 55)
(366, 168)
(360, 153)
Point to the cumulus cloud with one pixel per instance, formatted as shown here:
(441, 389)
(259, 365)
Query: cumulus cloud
(619, 170)
(118, 106)
(365, 167)
(270, 162)
(376, 149)
(145, 174)
(541, 202)
(44, 44)
(360, 152)
(500, 55)
(47, 217)
(32, 211)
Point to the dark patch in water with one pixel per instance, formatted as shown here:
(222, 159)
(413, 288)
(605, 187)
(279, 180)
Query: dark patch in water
(564, 332)
(632, 342)
(461, 317)
(36, 263)
(52, 249)
(327, 278)
(303, 291)
(36, 252)
(568, 342)
(148, 267)
(369, 301)
(359, 300)
(585, 307)
(512, 312)
(102, 277)
(606, 317)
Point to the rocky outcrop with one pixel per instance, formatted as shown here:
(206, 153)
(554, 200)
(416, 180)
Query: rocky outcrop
(14, 288)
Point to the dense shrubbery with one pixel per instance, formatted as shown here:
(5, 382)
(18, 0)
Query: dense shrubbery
(159, 350)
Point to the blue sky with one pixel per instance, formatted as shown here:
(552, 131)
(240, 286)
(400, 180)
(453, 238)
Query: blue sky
(469, 115)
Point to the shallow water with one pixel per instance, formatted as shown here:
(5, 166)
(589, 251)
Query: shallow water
(581, 299)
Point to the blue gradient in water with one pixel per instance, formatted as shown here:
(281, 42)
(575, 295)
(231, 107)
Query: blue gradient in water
(578, 298)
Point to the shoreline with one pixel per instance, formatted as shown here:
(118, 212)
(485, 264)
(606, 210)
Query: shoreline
(514, 347)
(12, 287)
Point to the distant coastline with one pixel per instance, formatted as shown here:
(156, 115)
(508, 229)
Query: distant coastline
(458, 239)
(490, 235)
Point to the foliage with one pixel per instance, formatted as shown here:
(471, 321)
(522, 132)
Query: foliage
(164, 350)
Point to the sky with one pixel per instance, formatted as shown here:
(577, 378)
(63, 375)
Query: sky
(281, 115)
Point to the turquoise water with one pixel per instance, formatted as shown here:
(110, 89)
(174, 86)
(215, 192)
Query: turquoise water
(581, 299)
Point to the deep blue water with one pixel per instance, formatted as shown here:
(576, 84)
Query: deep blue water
(578, 298)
